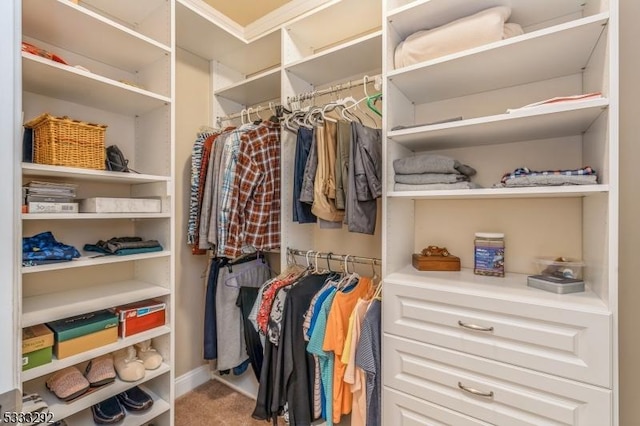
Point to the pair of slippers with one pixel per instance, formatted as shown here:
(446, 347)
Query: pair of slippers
(132, 362)
(69, 383)
(112, 410)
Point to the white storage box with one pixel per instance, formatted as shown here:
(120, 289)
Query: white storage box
(120, 205)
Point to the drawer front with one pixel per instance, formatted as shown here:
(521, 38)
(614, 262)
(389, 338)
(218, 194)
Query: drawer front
(401, 409)
(491, 391)
(568, 343)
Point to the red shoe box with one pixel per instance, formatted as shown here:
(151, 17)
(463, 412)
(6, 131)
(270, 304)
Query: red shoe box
(140, 316)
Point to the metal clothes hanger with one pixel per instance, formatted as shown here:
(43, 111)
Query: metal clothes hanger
(378, 293)
(349, 277)
(306, 257)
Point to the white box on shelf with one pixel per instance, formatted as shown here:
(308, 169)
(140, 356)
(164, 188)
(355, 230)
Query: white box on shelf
(120, 205)
(43, 207)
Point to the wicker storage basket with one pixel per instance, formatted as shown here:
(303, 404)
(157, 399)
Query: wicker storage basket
(61, 141)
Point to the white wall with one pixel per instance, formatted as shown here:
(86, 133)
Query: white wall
(192, 111)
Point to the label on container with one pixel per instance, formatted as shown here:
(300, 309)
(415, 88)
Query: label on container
(489, 261)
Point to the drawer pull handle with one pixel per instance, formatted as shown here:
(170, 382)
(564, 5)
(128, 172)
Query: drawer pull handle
(474, 327)
(475, 391)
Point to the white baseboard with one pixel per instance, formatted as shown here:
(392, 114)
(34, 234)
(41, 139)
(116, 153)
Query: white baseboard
(191, 380)
(245, 384)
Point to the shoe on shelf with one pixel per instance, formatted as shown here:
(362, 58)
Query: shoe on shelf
(135, 399)
(68, 383)
(108, 411)
(100, 371)
(33, 403)
(149, 356)
(127, 364)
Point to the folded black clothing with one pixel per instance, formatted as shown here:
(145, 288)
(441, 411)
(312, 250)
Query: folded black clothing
(113, 245)
(135, 399)
(108, 411)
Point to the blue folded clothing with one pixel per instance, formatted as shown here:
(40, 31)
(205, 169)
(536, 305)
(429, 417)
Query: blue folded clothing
(44, 247)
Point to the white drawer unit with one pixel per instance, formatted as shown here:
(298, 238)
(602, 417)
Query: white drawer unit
(406, 410)
(493, 348)
(490, 391)
(572, 343)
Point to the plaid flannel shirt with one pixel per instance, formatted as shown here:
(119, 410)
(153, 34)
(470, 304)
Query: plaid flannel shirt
(228, 167)
(255, 202)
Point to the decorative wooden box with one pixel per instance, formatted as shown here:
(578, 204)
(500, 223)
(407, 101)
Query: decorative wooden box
(435, 258)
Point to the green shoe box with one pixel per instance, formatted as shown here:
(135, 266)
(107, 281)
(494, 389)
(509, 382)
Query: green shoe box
(37, 358)
(82, 325)
(37, 345)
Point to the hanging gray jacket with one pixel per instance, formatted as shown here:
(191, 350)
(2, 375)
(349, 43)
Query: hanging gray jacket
(365, 178)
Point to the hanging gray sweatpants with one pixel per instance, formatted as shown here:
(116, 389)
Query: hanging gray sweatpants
(232, 350)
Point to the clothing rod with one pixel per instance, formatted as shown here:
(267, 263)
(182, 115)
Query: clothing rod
(333, 89)
(256, 109)
(312, 254)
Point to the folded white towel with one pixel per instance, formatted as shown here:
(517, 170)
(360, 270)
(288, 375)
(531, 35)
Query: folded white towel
(484, 27)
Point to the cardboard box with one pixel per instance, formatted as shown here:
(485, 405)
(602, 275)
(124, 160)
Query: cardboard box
(80, 325)
(85, 343)
(140, 316)
(120, 205)
(38, 207)
(37, 358)
(35, 338)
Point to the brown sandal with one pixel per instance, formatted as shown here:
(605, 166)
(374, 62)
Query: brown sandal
(68, 383)
(100, 371)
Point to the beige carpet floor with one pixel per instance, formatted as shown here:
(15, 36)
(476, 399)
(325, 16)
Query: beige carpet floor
(214, 404)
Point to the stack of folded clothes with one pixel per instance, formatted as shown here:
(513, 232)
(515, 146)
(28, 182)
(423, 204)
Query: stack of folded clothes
(426, 172)
(43, 248)
(122, 246)
(524, 177)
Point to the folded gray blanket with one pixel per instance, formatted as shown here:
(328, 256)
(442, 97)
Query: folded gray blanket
(433, 186)
(430, 163)
(427, 178)
(551, 180)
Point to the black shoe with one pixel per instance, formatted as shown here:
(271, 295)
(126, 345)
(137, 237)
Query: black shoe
(135, 399)
(108, 411)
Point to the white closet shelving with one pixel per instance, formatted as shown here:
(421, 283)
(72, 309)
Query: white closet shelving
(128, 51)
(314, 59)
(545, 358)
(244, 72)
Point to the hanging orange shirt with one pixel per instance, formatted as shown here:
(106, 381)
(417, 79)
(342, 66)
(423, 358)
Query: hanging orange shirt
(335, 338)
(354, 375)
